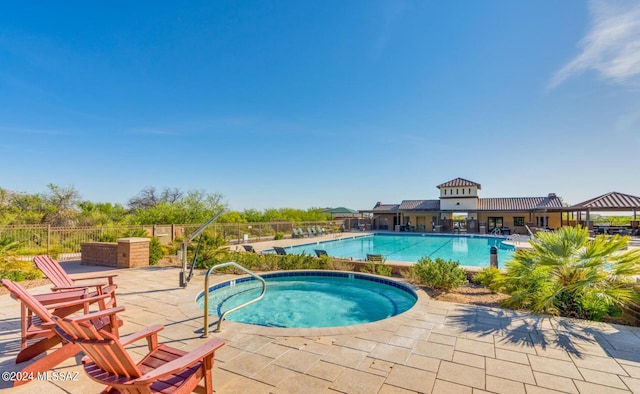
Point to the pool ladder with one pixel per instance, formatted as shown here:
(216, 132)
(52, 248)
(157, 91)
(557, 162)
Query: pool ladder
(225, 313)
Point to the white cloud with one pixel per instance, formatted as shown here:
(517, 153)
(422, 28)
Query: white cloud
(626, 123)
(611, 46)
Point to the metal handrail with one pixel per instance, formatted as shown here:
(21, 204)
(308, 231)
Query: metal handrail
(184, 278)
(224, 314)
(531, 234)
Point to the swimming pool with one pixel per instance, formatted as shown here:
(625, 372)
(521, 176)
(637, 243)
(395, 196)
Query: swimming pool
(470, 251)
(306, 299)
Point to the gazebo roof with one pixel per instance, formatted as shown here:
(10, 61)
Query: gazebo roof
(610, 202)
(340, 211)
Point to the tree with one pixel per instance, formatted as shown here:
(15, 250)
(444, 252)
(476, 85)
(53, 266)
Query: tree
(568, 274)
(60, 205)
(149, 197)
(232, 217)
(100, 214)
(174, 206)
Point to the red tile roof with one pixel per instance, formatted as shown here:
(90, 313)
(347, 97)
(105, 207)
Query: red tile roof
(610, 201)
(458, 182)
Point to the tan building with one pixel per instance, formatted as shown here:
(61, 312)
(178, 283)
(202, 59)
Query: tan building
(460, 209)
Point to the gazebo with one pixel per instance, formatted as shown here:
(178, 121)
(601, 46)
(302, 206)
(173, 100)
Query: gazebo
(610, 202)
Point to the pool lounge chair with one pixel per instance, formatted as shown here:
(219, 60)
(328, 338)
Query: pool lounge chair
(375, 258)
(37, 325)
(320, 252)
(164, 369)
(303, 233)
(249, 248)
(279, 250)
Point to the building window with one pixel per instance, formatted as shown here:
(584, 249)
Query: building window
(542, 221)
(518, 221)
(495, 221)
(445, 192)
(457, 191)
(469, 190)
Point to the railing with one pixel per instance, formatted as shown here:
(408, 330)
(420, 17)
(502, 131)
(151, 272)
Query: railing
(225, 313)
(184, 278)
(59, 241)
(515, 238)
(531, 234)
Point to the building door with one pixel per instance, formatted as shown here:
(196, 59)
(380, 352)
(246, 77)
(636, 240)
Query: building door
(495, 221)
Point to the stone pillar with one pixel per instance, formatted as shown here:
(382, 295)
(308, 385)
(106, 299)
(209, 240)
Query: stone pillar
(133, 252)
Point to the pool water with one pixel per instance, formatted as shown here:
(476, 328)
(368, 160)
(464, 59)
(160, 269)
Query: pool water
(304, 300)
(467, 250)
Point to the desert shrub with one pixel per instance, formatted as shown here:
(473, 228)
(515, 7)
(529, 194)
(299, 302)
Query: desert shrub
(18, 271)
(273, 262)
(12, 268)
(107, 237)
(209, 250)
(379, 269)
(335, 264)
(156, 251)
(439, 274)
(488, 277)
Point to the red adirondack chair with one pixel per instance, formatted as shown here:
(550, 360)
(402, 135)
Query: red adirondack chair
(36, 315)
(163, 369)
(63, 282)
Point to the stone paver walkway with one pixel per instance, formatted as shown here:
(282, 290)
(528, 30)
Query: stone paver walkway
(435, 347)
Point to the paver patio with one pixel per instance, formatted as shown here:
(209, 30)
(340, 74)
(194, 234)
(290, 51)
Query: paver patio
(435, 347)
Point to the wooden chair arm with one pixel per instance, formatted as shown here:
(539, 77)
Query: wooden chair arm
(203, 351)
(97, 314)
(108, 277)
(82, 286)
(147, 332)
(50, 298)
(87, 301)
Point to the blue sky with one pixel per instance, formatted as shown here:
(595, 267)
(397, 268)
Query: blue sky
(321, 104)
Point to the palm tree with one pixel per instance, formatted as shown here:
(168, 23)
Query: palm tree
(568, 274)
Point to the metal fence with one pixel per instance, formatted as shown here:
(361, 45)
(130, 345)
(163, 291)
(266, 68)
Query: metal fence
(66, 241)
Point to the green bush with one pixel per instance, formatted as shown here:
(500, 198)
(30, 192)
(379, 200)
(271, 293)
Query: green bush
(273, 262)
(156, 251)
(439, 274)
(379, 269)
(488, 277)
(18, 271)
(278, 236)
